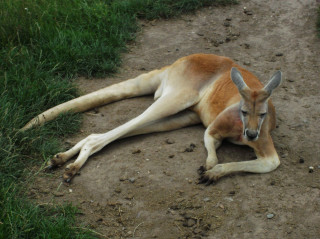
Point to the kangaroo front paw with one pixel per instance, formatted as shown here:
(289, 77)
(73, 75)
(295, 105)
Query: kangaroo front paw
(69, 173)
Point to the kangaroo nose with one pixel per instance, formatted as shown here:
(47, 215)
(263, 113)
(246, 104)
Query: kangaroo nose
(251, 134)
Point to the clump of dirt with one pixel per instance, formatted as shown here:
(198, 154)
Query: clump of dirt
(145, 187)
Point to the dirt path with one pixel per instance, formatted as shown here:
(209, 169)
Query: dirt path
(145, 187)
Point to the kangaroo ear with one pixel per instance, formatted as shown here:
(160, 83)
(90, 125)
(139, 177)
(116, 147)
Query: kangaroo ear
(237, 79)
(274, 82)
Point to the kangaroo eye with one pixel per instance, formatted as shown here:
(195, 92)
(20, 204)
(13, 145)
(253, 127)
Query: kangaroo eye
(244, 113)
(263, 115)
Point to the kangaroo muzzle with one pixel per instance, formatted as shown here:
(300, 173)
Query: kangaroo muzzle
(251, 135)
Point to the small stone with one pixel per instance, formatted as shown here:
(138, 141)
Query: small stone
(301, 160)
(311, 169)
(247, 45)
(132, 180)
(247, 12)
(171, 156)
(70, 190)
(190, 148)
(270, 215)
(319, 166)
(179, 200)
(189, 223)
(169, 141)
(247, 63)
(136, 151)
(226, 24)
(123, 178)
(129, 196)
(186, 215)
(197, 230)
(200, 34)
(207, 199)
(113, 203)
(118, 190)
(58, 194)
(232, 193)
(228, 19)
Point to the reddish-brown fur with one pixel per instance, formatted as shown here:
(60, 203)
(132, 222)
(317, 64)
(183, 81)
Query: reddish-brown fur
(201, 83)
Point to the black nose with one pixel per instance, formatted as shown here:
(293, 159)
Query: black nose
(251, 134)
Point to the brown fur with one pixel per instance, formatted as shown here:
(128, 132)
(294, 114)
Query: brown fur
(197, 88)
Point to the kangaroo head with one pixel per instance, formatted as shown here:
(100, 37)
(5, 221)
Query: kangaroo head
(254, 103)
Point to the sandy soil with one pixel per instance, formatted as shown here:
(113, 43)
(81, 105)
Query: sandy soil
(146, 186)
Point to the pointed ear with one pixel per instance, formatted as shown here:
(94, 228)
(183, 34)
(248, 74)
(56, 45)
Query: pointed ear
(237, 79)
(274, 82)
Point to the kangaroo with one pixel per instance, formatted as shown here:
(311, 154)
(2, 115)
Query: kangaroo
(202, 88)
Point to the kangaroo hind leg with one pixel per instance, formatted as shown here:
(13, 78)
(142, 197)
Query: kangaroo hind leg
(142, 85)
(168, 104)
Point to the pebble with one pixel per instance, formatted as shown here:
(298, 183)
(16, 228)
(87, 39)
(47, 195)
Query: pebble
(311, 168)
(129, 196)
(270, 215)
(179, 200)
(137, 151)
(118, 190)
(189, 223)
(170, 141)
(190, 148)
(226, 24)
(232, 193)
(58, 194)
(301, 160)
(246, 11)
(132, 180)
(247, 45)
(207, 199)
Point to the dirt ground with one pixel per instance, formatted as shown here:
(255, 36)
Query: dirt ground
(146, 186)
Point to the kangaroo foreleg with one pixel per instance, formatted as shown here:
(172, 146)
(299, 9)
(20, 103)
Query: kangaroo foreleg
(267, 161)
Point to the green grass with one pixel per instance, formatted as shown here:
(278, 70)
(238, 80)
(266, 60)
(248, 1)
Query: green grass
(44, 44)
